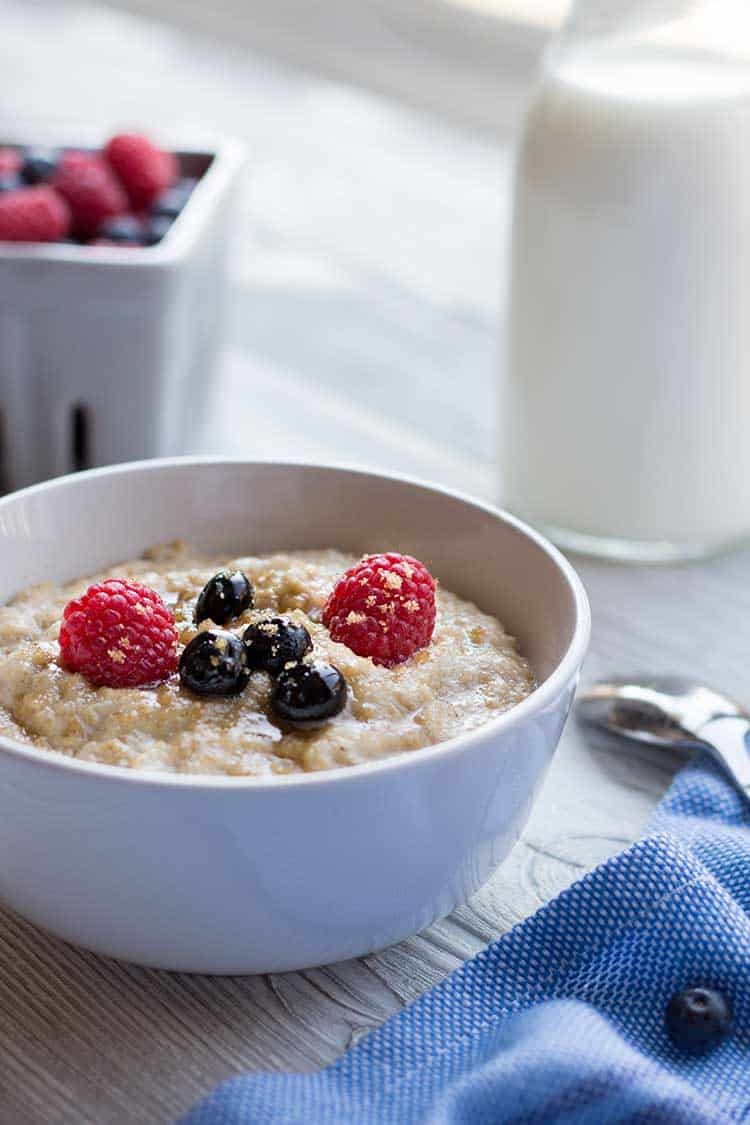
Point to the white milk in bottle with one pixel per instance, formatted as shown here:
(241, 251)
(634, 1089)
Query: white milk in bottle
(626, 425)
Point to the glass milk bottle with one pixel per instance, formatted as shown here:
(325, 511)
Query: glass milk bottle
(626, 420)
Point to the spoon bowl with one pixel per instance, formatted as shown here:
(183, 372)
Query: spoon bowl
(672, 712)
(659, 710)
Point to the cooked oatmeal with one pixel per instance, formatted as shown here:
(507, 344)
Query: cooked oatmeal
(468, 674)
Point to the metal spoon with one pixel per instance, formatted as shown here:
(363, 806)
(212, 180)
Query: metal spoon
(673, 712)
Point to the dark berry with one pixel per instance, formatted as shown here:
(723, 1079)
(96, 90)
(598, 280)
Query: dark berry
(157, 229)
(214, 663)
(308, 694)
(124, 229)
(187, 184)
(10, 182)
(224, 597)
(169, 204)
(38, 165)
(273, 643)
(697, 1018)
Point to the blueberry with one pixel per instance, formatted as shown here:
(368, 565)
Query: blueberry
(169, 204)
(697, 1018)
(10, 182)
(225, 596)
(214, 663)
(38, 165)
(157, 229)
(273, 643)
(308, 694)
(125, 229)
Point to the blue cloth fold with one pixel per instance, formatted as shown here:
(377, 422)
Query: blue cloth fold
(562, 1019)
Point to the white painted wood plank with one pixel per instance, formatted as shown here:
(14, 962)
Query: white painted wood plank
(454, 60)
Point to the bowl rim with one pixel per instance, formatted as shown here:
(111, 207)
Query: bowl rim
(566, 669)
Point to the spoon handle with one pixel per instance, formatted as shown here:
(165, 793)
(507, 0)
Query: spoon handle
(727, 738)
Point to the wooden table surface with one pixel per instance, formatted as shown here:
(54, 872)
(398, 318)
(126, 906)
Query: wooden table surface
(365, 325)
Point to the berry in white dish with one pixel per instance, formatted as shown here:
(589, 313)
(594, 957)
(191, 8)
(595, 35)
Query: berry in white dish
(127, 194)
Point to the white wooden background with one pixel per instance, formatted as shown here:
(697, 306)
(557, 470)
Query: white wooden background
(365, 325)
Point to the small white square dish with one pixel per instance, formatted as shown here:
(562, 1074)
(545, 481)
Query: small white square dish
(105, 350)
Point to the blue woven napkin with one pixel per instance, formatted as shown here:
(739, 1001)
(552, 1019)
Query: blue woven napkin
(562, 1019)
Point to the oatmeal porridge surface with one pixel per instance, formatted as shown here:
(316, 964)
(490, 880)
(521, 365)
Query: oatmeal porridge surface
(470, 673)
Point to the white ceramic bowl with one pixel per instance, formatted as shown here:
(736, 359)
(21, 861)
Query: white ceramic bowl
(226, 875)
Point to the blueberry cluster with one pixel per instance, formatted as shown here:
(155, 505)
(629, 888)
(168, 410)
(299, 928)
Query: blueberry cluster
(147, 230)
(218, 662)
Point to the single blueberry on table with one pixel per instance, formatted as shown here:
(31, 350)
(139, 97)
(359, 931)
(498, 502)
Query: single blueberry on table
(38, 165)
(214, 663)
(305, 695)
(697, 1018)
(273, 643)
(224, 597)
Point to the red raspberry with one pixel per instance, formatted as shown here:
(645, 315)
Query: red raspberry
(384, 608)
(36, 214)
(144, 170)
(119, 634)
(10, 161)
(91, 190)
